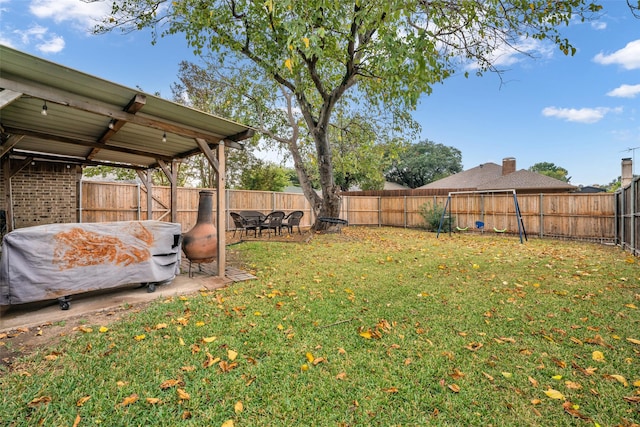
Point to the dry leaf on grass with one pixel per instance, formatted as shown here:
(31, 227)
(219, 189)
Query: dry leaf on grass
(571, 409)
(133, 398)
(554, 394)
(42, 400)
(82, 400)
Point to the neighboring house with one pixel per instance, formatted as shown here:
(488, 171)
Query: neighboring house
(591, 189)
(394, 186)
(490, 176)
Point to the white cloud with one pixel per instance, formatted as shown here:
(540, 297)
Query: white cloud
(505, 55)
(628, 57)
(599, 25)
(53, 44)
(625, 91)
(45, 41)
(81, 13)
(581, 115)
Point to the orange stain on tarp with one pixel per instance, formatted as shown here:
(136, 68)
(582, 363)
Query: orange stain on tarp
(82, 248)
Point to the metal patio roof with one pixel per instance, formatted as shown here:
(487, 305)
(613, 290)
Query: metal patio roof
(91, 121)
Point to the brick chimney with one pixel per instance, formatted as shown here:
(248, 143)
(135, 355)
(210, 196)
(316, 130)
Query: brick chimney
(627, 172)
(508, 165)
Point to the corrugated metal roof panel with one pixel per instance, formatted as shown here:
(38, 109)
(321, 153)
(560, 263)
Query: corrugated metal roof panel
(80, 107)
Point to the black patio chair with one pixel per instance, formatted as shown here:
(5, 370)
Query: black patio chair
(243, 224)
(293, 220)
(273, 221)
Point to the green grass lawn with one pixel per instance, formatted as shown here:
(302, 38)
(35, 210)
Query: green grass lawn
(374, 326)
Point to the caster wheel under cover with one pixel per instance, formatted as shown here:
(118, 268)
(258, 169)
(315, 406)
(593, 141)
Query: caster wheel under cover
(64, 303)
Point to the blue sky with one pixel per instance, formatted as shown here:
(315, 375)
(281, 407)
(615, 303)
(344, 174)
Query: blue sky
(580, 112)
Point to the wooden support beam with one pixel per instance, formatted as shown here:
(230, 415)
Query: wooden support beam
(7, 97)
(167, 171)
(8, 201)
(136, 104)
(208, 153)
(18, 154)
(18, 166)
(221, 212)
(11, 142)
(174, 191)
(86, 143)
(145, 177)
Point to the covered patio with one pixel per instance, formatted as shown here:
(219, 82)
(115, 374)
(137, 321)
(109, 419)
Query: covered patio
(51, 113)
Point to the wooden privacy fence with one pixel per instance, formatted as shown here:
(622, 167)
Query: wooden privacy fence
(108, 201)
(590, 216)
(627, 230)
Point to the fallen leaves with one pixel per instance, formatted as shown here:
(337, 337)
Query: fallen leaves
(454, 388)
(618, 378)
(554, 394)
(82, 401)
(129, 400)
(42, 400)
(210, 361)
(474, 346)
(182, 394)
(572, 410)
(170, 383)
(383, 326)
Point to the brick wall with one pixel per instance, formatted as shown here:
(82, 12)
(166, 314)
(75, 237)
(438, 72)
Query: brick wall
(43, 193)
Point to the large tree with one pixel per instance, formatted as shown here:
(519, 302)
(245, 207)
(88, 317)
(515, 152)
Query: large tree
(424, 162)
(362, 141)
(389, 52)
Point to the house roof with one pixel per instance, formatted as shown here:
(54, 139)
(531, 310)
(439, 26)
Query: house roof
(388, 185)
(470, 178)
(91, 121)
(488, 176)
(525, 180)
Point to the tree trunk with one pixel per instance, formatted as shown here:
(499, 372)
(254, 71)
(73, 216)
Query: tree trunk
(330, 193)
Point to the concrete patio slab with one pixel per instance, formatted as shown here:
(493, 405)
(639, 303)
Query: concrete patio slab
(25, 316)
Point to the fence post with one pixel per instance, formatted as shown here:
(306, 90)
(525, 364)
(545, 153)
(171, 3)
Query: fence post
(138, 203)
(405, 212)
(379, 211)
(634, 195)
(226, 205)
(541, 233)
(80, 219)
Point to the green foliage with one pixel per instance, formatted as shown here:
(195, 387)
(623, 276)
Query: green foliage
(362, 149)
(121, 174)
(614, 185)
(551, 170)
(424, 162)
(432, 215)
(264, 177)
(387, 53)
(118, 174)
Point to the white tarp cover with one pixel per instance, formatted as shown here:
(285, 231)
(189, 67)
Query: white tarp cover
(56, 260)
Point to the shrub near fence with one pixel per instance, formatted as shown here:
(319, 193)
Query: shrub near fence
(590, 216)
